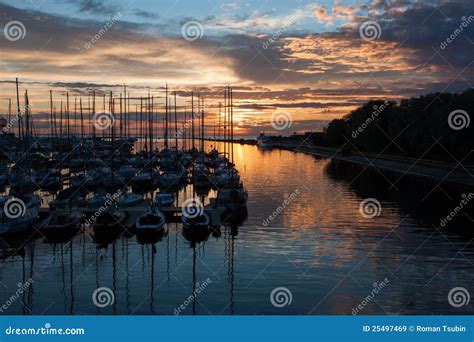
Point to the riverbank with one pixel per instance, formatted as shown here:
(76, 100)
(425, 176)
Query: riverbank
(436, 170)
(443, 172)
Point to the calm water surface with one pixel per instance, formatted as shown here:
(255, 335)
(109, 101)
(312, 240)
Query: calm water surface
(318, 246)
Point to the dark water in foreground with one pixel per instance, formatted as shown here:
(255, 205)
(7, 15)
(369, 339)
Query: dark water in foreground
(319, 247)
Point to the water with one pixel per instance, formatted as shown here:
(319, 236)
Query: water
(319, 247)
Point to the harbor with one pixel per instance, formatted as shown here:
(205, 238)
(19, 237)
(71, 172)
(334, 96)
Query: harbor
(96, 171)
(235, 159)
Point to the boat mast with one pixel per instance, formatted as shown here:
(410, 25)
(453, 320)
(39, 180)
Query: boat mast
(202, 129)
(232, 124)
(20, 120)
(185, 130)
(82, 121)
(192, 119)
(9, 110)
(219, 125)
(166, 118)
(93, 113)
(141, 124)
(51, 113)
(67, 116)
(61, 122)
(27, 104)
(75, 117)
(151, 124)
(175, 123)
(225, 123)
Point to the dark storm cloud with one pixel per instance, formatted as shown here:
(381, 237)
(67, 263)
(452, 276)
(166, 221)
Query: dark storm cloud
(425, 25)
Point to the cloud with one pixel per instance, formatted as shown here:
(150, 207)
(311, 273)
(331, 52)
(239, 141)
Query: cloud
(322, 15)
(315, 74)
(94, 6)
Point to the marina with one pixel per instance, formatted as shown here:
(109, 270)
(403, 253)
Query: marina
(103, 180)
(215, 158)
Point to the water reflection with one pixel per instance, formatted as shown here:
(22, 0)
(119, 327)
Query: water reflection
(319, 247)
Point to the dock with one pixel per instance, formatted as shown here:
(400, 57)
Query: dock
(173, 214)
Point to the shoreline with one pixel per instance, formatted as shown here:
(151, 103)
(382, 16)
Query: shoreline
(434, 170)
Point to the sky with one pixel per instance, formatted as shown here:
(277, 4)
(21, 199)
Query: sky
(306, 61)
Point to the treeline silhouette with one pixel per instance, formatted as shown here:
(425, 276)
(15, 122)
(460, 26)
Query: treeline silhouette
(416, 127)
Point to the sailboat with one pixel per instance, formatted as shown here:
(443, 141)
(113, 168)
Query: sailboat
(112, 219)
(232, 193)
(61, 224)
(51, 179)
(150, 222)
(128, 199)
(195, 222)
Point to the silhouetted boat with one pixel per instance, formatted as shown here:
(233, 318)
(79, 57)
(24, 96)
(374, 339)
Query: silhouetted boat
(150, 222)
(61, 224)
